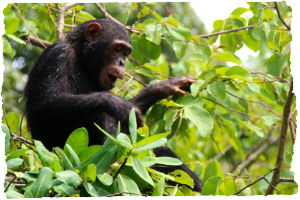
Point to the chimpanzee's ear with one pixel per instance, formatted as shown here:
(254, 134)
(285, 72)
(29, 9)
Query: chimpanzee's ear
(92, 31)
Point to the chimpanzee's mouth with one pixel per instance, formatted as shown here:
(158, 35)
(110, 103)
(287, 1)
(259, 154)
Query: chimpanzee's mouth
(112, 78)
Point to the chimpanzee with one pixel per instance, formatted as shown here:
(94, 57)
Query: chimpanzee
(69, 88)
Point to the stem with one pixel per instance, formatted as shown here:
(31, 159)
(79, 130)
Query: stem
(282, 140)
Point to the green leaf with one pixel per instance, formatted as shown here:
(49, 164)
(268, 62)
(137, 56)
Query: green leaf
(152, 145)
(15, 38)
(253, 128)
(240, 183)
(239, 11)
(124, 140)
(64, 189)
(105, 178)
(11, 194)
(16, 153)
(213, 169)
(7, 47)
(107, 134)
(104, 158)
(42, 186)
(95, 191)
(169, 118)
(219, 89)
(78, 140)
(69, 177)
(73, 156)
(228, 57)
(141, 170)
(127, 185)
(230, 187)
(11, 25)
(196, 86)
(182, 177)
(159, 188)
(46, 156)
(180, 33)
(89, 152)
(210, 186)
(275, 63)
(7, 137)
(132, 126)
(151, 139)
(149, 161)
(200, 118)
(149, 49)
(14, 163)
(68, 163)
(91, 172)
(12, 120)
(237, 72)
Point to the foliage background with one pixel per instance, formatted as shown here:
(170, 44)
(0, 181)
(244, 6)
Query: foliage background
(200, 156)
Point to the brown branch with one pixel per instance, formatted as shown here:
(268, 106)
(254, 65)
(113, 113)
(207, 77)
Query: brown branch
(280, 17)
(282, 141)
(124, 85)
(261, 178)
(252, 157)
(287, 180)
(108, 16)
(292, 128)
(227, 31)
(36, 41)
(10, 183)
(20, 139)
(61, 20)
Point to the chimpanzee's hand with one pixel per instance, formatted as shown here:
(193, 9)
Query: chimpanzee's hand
(123, 109)
(177, 85)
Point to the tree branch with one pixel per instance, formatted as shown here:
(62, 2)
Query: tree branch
(36, 41)
(282, 141)
(61, 20)
(280, 17)
(227, 31)
(261, 178)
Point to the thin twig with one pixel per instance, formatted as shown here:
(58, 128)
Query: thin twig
(51, 16)
(253, 101)
(282, 141)
(10, 184)
(137, 80)
(122, 166)
(280, 17)
(232, 110)
(124, 85)
(249, 185)
(292, 128)
(227, 31)
(25, 22)
(65, 13)
(108, 16)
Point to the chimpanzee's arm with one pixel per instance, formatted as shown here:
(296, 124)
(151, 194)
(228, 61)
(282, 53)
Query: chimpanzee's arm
(83, 106)
(157, 91)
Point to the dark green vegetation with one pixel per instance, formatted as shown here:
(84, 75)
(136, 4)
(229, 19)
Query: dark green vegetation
(227, 129)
